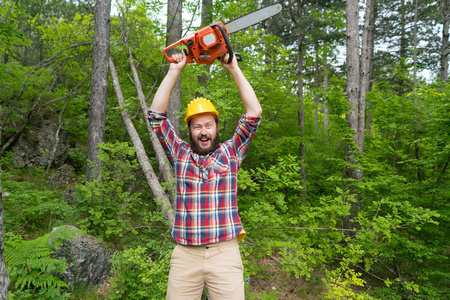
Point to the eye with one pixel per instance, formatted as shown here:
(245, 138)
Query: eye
(208, 126)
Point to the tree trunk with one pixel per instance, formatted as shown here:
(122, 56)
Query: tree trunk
(152, 179)
(174, 31)
(366, 62)
(4, 278)
(300, 113)
(301, 119)
(317, 85)
(371, 43)
(354, 147)
(403, 48)
(99, 87)
(445, 50)
(207, 19)
(325, 88)
(55, 147)
(163, 163)
(420, 172)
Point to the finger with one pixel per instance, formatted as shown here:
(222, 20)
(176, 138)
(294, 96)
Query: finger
(224, 58)
(176, 57)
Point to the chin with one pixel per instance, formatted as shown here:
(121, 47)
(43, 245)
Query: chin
(195, 146)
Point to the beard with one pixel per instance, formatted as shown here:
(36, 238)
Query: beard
(195, 146)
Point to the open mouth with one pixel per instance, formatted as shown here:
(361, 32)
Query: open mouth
(204, 141)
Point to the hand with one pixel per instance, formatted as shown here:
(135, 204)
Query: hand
(229, 66)
(180, 62)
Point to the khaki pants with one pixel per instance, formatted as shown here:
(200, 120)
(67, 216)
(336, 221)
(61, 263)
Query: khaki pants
(217, 265)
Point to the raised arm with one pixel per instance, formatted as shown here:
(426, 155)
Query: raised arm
(161, 100)
(249, 100)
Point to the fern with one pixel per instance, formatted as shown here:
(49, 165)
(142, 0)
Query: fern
(30, 263)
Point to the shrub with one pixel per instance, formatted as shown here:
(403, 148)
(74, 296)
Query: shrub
(32, 269)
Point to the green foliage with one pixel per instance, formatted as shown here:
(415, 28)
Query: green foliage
(31, 208)
(400, 250)
(267, 296)
(61, 32)
(111, 205)
(10, 33)
(278, 224)
(340, 283)
(141, 272)
(31, 266)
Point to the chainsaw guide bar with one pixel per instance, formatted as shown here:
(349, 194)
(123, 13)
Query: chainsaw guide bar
(253, 18)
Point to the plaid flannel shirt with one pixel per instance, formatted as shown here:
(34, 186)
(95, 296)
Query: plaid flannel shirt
(206, 209)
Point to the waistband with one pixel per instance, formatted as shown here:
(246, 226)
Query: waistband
(220, 244)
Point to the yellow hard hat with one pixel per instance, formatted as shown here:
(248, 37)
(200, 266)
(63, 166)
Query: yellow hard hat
(199, 106)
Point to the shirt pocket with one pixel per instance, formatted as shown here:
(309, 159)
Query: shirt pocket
(220, 166)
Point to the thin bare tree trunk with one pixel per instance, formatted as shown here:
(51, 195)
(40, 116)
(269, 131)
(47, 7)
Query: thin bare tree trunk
(366, 62)
(353, 148)
(403, 47)
(325, 88)
(301, 115)
(317, 85)
(4, 277)
(207, 19)
(420, 172)
(99, 87)
(150, 175)
(174, 31)
(60, 124)
(445, 50)
(371, 43)
(163, 163)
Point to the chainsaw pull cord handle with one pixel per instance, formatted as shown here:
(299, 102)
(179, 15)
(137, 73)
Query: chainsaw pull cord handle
(226, 38)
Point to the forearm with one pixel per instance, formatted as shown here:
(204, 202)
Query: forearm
(249, 100)
(161, 99)
(160, 102)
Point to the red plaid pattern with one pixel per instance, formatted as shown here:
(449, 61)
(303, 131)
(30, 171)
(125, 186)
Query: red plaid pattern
(206, 208)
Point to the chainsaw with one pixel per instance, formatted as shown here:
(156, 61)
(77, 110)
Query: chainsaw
(209, 43)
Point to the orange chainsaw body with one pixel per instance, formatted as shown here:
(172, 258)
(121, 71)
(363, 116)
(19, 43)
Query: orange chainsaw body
(205, 45)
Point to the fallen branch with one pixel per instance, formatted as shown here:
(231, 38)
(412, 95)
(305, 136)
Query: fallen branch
(161, 157)
(152, 180)
(315, 228)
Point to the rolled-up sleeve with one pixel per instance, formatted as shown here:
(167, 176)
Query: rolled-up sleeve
(166, 134)
(244, 134)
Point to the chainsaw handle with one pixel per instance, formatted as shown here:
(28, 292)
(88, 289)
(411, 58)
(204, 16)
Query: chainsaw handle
(170, 59)
(226, 38)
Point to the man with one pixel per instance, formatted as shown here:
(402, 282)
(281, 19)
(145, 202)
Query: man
(207, 224)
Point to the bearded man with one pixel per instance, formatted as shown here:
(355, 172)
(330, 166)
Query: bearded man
(207, 225)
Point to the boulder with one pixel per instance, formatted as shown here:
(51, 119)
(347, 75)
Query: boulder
(88, 260)
(35, 145)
